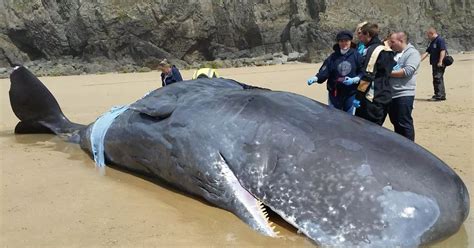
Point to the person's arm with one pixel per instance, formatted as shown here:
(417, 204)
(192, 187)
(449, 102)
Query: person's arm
(442, 48)
(358, 70)
(411, 65)
(177, 75)
(369, 76)
(423, 57)
(324, 71)
(398, 74)
(442, 54)
(385, 62)
(163, 83)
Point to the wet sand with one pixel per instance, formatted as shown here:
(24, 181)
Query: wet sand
(51, 195)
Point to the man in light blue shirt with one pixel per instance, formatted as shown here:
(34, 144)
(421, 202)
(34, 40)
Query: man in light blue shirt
(403, 83)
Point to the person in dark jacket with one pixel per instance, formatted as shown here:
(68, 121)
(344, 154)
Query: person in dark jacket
(374, 91)
(342, 70)
(169, 73)
(437, 51)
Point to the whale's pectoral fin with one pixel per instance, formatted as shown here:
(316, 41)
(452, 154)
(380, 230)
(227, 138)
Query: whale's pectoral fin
(161, 108)
(233, 197)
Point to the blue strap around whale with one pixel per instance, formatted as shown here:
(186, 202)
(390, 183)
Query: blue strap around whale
(98, 131)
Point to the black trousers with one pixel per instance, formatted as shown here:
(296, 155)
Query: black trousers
(372, 111)
(400, 115)
(438, 81)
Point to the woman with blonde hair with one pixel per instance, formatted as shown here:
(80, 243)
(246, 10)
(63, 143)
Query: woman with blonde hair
(169, 73)
(360, 47)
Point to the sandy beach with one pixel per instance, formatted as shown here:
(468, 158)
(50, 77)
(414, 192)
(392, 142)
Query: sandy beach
(52, 195)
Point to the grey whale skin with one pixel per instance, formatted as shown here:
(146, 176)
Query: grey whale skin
(340, 180)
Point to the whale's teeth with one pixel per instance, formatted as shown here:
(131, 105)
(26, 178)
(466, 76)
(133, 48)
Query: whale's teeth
(273, 226)
(263, 211)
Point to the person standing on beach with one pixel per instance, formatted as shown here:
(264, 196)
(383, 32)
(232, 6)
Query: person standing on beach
(437, 51)
(374, 92)
(342, 70)
(403, 82)
(169, 73)
(360, 45)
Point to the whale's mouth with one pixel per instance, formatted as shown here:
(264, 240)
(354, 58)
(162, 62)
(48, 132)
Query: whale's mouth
(277, 220)
(248, 207)
(264, 211)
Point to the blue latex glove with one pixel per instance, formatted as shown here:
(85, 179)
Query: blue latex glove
(356, 103)
(312, 80)
(351, 81)
(396, 67)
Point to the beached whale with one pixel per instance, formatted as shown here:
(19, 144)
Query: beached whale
(340, 180)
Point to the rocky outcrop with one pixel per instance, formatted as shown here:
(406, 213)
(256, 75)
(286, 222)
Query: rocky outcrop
(191, 31)
(9, 53)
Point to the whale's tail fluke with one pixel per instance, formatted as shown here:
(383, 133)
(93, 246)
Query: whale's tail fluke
(36, 107)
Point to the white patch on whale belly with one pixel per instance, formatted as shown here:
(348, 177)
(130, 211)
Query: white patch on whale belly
(405, 222)
(408, 212)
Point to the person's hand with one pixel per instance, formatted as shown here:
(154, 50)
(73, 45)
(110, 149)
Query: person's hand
(356, 103)
(396, 67)
(312, 80)
(351, 81)
(440, 64)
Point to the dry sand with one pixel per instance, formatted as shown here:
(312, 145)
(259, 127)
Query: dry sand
(52, 196)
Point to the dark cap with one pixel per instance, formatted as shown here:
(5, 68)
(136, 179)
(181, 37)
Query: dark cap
(344, 35)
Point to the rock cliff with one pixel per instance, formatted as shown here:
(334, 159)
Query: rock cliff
(117, 34)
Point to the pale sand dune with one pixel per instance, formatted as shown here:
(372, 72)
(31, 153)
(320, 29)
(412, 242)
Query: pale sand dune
(51, 195)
